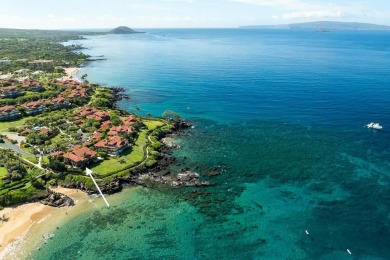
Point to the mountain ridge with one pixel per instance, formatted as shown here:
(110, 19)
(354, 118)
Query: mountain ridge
(323, 26)
(122, 30)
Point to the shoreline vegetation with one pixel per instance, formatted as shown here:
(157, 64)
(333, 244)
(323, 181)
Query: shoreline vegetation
(53, 125)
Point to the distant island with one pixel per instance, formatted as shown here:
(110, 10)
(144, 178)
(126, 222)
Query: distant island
(323, 26)
(123, 30)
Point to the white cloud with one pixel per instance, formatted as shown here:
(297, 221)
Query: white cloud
(313, 15)
(289, 4)
(168, 18)
(303, 9)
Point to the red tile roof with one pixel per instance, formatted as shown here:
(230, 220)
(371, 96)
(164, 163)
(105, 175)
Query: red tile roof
(93, 113)
(112, 142)
(10, 88)
(44, 130)
(31, 83)
(86, 111)
(116, 130)
(7, 109)
(33, 104)
(130, 120)
(96, 136)
(105, 125)
(58, 153)
(58, 100)
(80, 154)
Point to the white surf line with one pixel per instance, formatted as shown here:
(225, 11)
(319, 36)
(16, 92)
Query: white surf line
(89, 172)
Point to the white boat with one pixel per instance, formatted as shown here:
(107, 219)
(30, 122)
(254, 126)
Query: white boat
(374, 126)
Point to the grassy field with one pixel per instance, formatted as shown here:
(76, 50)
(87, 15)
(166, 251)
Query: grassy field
(31, 159)
(24, 149)
(129, 157)
(8, 124)
(3, 172)
(152, 124)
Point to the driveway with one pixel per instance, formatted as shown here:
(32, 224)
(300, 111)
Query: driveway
(16, 137)
(8, 145)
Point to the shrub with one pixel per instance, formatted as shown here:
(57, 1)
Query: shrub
(156, 145)
(52, 182)
(37, 183)
(73, 128)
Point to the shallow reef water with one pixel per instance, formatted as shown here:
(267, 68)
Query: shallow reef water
(279, 126)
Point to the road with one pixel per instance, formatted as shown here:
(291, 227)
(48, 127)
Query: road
(8, 145)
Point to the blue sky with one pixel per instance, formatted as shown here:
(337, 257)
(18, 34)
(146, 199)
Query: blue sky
(72, 14)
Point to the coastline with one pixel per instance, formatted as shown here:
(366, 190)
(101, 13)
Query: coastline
(71, 74)
(21, 219)
(30, 225)
(27, 223)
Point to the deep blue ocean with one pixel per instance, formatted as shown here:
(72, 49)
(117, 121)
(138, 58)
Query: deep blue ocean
(279, 118)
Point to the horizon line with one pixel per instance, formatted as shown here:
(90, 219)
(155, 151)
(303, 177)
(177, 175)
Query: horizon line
(228, 27)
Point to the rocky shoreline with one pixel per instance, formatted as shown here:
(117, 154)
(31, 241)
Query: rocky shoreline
(151, 176)
(119, 94)
(56, 199)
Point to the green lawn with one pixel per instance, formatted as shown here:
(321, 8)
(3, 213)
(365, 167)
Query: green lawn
(130, 157)
(3, 172)
(152, 124)
(31, 159)
(34, 160)
(59, 139)
(45, 159)
(27, 150)
(16, 123)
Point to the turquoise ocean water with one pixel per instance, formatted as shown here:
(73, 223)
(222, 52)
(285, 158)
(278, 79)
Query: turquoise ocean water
(279, 119)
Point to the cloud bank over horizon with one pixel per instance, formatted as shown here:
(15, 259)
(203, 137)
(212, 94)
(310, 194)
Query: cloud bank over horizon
(72, 14)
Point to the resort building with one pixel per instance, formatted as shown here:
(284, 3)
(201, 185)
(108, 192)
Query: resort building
(58, 153)
(120, 130)
(41, 63)
(70, 83)
(10, 92)
(96, 136)
(93, 113)
(105, 126)
(78, 92)
(9, 113)
(59, 103)
(86, 111)
(34, 107)
(43, 130)
(114, 145)
(80, 157)
(32, 85)
(5, 62)
(100, 116)
(130, 120)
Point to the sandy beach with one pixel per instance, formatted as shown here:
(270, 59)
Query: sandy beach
(70, 74)
(34, 220)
